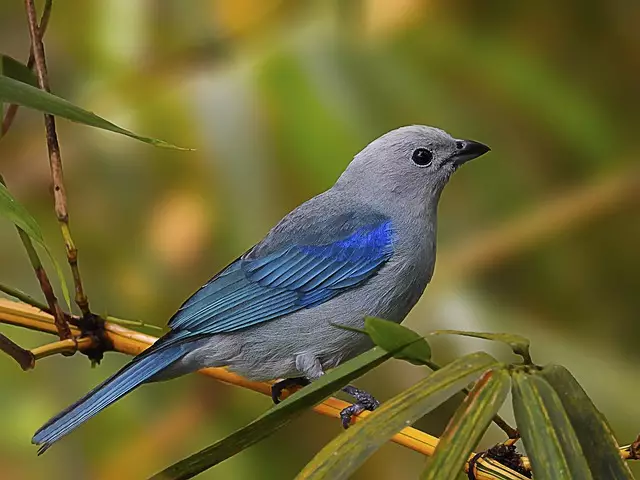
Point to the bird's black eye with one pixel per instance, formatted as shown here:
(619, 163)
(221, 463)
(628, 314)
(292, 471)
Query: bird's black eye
(422, 157)
(459, 145)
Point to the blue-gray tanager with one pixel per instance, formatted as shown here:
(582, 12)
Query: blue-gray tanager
(365, 247)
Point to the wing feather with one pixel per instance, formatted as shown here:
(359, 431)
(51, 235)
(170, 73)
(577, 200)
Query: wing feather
(255, 290)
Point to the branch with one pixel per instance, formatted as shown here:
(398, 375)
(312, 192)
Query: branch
(132, 343)
(45, 285)
(55, 162)
(12, 110)
(66, 347)
(24, 357)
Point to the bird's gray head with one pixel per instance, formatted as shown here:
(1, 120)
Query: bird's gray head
(409, 163)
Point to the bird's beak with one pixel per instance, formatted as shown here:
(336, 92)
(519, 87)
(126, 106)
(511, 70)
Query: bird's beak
(468, 151)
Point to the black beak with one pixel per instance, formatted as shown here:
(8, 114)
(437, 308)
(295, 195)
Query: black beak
(468, 150)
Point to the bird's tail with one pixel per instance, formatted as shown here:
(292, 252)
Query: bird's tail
(139, 370)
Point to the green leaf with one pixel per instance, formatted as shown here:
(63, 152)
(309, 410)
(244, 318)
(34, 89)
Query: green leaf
(16, 213)
(341, 457)
(595, 436)
(468, 425)
(21, 218)
(546, 431)
(392, 336)
(12, 68)
(520, 345)
(14, 91)
(276, 417)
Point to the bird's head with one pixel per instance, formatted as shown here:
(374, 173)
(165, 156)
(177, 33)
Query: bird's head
(413, 162)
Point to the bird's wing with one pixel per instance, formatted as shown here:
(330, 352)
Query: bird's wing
(292, 277)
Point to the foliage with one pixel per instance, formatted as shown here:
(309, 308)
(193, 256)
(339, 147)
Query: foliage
(311, 98)
(553, 430)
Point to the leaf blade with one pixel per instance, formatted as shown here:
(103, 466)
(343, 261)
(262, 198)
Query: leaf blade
(14, 91)
(596, 438)
(468, 425)
(12, 68)
(275, 418)
(11, 209)
(547, 434)
(519, 344)
(15, 212)
(348, 451)
(391, 336)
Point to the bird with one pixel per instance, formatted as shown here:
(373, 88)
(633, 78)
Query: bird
(364, 247)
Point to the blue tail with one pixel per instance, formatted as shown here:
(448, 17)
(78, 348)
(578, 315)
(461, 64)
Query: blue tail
(129, 377)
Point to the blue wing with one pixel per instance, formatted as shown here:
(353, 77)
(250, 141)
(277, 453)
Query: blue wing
(254, 290)
(273, 279)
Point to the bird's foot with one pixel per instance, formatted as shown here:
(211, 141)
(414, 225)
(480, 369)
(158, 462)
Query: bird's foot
(364, 401)
(278, 387)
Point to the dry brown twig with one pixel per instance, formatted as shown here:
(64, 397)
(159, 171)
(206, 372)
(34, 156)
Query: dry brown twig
(41, 274)
(12, 109)
(45, 284)
(55, 162)
(25, 358)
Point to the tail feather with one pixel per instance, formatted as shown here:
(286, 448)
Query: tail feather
(128, 378)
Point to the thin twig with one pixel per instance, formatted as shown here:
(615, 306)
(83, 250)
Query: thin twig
(55, 161)
(24, 297)
(45, 285)
(12, 109)
(24, 357)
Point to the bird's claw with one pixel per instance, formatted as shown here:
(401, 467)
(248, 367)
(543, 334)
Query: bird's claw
(278, 387)
(365, 401)
(349, 412)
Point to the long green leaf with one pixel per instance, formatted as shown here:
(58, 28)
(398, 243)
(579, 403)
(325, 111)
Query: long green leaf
(595, 436)
(9, 67)
(21, 218)
(14, 91)
(275, 418)
(349, 450)
(468, 425)
(12, 68)
(519, 344)
(547, 434)
(16, 213)
(392, 336)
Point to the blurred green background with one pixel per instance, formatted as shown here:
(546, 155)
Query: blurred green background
(540, 238)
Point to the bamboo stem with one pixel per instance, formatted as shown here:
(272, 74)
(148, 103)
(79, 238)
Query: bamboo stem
(55, 161)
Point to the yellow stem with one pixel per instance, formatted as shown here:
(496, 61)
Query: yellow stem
(70, 345)
(132, 343)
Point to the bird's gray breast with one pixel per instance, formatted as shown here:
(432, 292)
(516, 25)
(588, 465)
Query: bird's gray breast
(270, 350)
